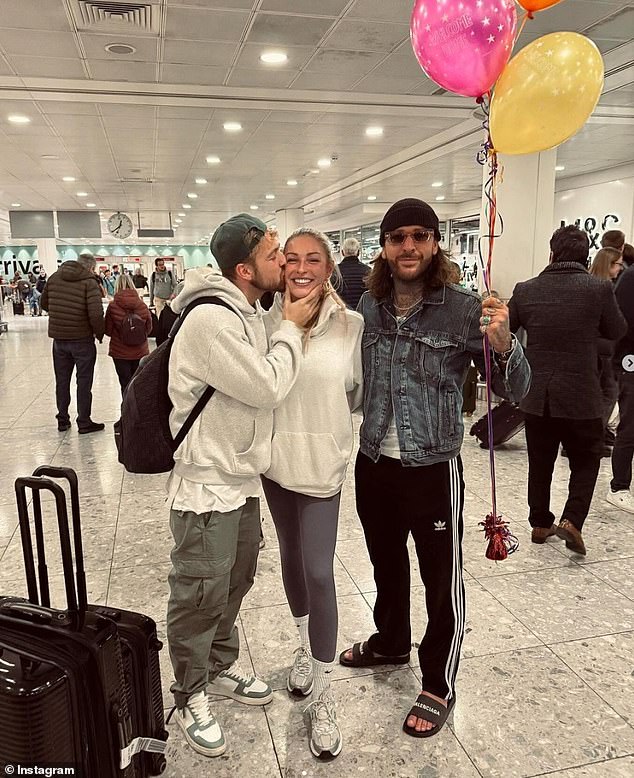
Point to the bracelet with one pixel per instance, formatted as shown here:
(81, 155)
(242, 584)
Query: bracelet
(504, 356)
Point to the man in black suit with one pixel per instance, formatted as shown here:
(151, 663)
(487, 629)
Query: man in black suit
(564, 311)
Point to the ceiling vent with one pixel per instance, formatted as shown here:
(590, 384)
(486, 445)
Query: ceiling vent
(137, 180)
(113, 16)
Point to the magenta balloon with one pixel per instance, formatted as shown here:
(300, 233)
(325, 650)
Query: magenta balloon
(463, 45)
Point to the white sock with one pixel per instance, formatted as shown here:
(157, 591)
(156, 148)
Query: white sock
(301, 622)
(321, 674)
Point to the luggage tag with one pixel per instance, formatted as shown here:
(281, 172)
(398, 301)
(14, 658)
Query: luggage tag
(150, 744)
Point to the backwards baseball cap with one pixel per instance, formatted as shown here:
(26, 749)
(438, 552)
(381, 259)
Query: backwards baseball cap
(409, 212)
(235, 239)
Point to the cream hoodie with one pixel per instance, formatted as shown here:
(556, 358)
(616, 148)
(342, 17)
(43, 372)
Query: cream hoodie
(313, 436)
(231, 439)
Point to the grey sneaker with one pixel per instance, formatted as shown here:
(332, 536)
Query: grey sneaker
(300, 677)
(201, 730)
(240, 686)
(324, 735)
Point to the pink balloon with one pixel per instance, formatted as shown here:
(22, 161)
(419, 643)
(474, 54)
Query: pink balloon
(463, 45)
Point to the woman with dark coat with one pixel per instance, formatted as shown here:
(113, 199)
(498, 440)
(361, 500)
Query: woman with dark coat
(124, 311)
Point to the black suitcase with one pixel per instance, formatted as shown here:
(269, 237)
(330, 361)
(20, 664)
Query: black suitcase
(140, 648)
(508, 420)
(63, 697)
(18, 308)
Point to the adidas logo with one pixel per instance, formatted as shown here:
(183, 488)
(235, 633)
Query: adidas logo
(439, 526)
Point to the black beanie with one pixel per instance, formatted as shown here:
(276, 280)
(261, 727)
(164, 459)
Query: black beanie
(405, 213)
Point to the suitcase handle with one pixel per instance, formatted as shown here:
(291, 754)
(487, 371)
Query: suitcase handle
(68, 474)
(34, 613)
(37, 485)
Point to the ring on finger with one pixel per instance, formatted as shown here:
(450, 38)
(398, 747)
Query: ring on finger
(486, 320)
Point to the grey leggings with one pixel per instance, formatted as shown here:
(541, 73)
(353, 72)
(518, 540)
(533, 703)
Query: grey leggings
(307, 532)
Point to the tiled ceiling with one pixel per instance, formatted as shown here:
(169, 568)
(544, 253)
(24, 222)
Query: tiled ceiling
(135, 129)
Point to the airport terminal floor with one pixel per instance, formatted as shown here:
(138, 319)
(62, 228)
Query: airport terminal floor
(545, 685)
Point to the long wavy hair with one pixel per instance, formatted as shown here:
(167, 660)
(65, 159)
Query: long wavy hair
(328, 288)
(440, 272)
(602, 262)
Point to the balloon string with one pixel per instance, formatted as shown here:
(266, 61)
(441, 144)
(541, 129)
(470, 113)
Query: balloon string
(528, 15)
(488, 156)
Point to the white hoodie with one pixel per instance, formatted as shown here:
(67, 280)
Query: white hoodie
(313, 436)
(227, 349)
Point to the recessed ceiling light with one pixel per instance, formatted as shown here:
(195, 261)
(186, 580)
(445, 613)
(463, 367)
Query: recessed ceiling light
(273, 57)
(16, 205)
(201, 181)
(440, 197)
(192, 195)
(232, 126)
(120, 48)
(185, 205)
(212, 159)
(291, 182)
(371, 197)
(50, 156)
(178, 221)
(270, 196)
(324, 162)
(69, 179)
(16, 118)
(91, 205)
(181, 214)
(314, 171)
(374, 132)
(436, 184)
(82, 194)
(559, 168)
(254, 207)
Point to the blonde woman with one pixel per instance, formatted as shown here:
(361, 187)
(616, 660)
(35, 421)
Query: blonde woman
(312, 444)
(128, 323)
(608, 263)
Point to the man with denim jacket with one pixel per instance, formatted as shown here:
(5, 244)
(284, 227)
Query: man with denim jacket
(421, 332)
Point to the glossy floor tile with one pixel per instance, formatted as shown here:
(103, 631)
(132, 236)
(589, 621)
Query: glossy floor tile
(545, 685)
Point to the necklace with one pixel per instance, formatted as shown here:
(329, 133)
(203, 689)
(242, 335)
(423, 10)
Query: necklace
(405, 309)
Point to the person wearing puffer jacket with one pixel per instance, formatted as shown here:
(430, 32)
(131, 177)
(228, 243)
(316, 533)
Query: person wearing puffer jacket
(126, 357)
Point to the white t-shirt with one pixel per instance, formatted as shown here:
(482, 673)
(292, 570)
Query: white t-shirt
(184, 495)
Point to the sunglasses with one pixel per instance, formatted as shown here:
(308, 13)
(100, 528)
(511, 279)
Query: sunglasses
(398, 238)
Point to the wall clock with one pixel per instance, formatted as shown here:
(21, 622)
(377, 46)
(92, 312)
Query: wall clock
(120, 225)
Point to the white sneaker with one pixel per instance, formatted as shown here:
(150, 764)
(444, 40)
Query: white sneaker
(240, 686)
(324, 735)
(201, 730)
(622, 499)
(300, 677)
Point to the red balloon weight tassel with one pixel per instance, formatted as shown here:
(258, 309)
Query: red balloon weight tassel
(502, 542)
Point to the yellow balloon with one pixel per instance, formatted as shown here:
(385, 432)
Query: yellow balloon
(546, 93)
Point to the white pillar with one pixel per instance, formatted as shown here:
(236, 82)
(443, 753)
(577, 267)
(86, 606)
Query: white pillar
(526, 203)
(47, 254)
(288, 220)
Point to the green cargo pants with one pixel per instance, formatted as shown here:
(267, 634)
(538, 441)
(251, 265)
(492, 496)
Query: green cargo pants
(213, 567)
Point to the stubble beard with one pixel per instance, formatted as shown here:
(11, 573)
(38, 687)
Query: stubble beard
(408, 278)
(263, 285)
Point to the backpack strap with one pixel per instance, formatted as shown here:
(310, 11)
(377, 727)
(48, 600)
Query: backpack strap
(206, 395)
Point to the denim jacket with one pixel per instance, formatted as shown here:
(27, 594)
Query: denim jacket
(416, 370)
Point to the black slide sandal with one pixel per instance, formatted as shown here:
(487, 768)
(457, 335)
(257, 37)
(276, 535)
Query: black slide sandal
(431, 710)
(362, 656)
